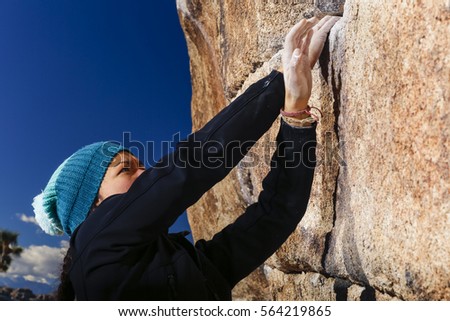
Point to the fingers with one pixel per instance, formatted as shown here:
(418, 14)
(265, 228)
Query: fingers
(295, 35)
(305, 30)
(319, 38)
(297, 32)
(303, 51)
(294, 38)
(301, 27)
(306, 42)
(321, 22)
(329, 24)
(325, 24)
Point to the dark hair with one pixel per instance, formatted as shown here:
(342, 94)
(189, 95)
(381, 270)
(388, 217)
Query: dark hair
(65, 290)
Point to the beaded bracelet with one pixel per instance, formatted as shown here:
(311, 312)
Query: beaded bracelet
(306, 122)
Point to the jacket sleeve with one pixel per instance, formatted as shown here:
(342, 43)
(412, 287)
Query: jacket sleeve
(178, 180)
(245, 244)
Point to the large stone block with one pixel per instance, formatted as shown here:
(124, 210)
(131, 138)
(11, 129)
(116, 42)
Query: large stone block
(378, 222)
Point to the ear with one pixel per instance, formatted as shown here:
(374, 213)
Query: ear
(100, 195)
(94, 206)
(97, 201)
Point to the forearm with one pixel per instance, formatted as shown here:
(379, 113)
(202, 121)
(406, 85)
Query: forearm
(250, 115)
(209, 154)
(262, 229)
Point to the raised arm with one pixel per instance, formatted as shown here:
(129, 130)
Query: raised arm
(245, 244)
(179, 179)
(162, 193)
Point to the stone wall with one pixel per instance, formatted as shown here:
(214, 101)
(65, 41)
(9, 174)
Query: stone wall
(378, 222)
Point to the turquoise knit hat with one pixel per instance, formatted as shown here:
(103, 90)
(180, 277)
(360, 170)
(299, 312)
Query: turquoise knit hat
(68, 197)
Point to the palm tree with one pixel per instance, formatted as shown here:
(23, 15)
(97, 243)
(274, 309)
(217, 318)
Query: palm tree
(8, 247)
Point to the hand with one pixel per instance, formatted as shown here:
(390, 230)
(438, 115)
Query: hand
(321, 30)
(296, 66)
(302, 47)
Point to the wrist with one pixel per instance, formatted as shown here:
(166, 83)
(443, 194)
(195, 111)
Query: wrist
(301, 114)
(295, 106)
(299, 123)
(298, 111)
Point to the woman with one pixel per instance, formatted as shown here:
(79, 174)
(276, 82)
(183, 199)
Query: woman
(118, 214)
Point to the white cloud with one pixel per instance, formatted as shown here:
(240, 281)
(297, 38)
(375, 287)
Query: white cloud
(38, 263)
(27, 219)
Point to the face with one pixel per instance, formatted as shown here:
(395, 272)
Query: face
(120, 175)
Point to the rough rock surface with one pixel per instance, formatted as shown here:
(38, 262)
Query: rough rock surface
(378, 222)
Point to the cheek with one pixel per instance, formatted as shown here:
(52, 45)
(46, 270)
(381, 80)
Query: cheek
(122, 184)
(114, 186)
(127, 184)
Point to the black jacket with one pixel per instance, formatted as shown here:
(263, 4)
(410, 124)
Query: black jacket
(123, 250)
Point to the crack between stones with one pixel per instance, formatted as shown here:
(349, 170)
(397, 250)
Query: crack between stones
(246, 185)
(335, 88)
(343, 283)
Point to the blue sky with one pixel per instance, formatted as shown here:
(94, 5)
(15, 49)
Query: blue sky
(73, 73)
